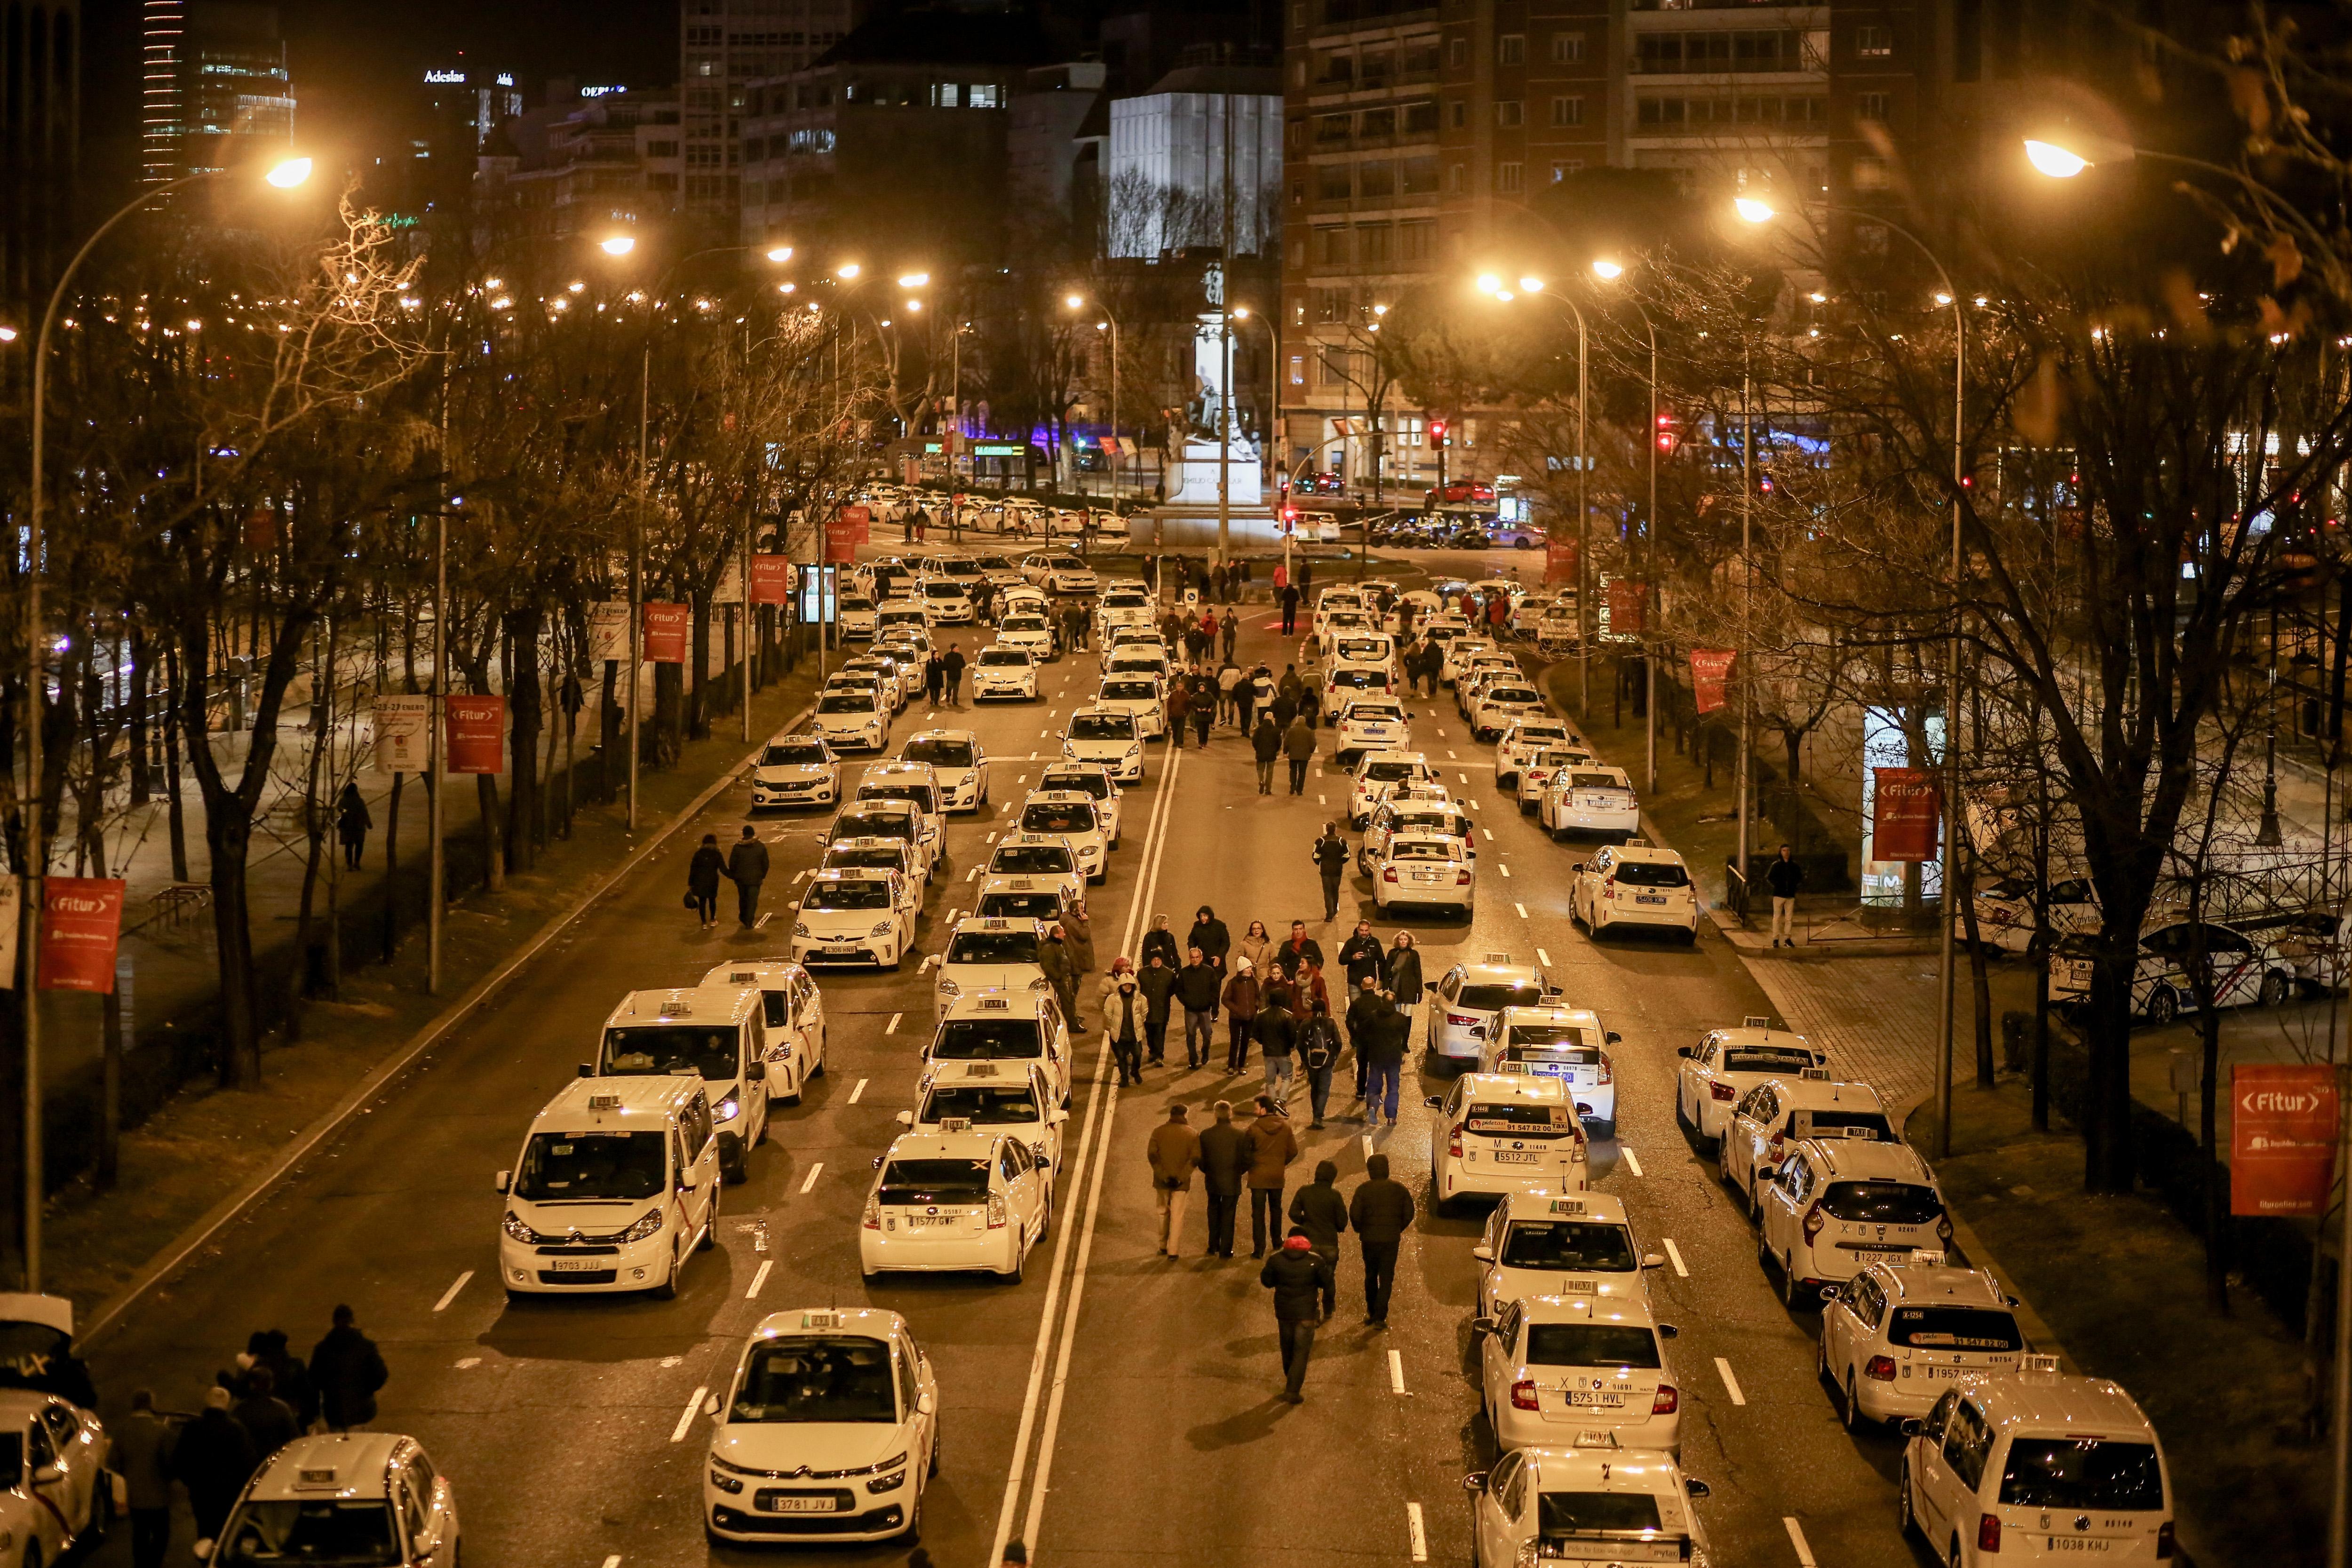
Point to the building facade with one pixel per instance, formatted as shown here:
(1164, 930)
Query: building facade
(571, 171)
(215, 83)
(724, 48)
(40, 128)
(1165, 169)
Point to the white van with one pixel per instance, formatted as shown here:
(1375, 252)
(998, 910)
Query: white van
(791, 1021)
(617, 1179)
(716, 1033)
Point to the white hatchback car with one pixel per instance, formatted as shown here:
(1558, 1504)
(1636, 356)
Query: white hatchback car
(795, 770)
(1069, 577)
(958, 764)
(1370, 724)
(1539, 1243)
(1019, 1025)
(1086, 778)
(953, 1200)
(1035, 861)
(1897, 1334)
(343, 1497)
(1407, 812)
(1070, 816)
(854, 917)
(1377, 775)
(1536, 768)
(828, 1431)
(1590, 800)
(1505, 1133)
(1524, 740)
(1140, 694)
(1634, 885)
(1464, 1001)
(1004, 673)
(1109, 736)
(1594, 1503)
(852, 718)
(853, 618)
(1836, 1204)
(1566, 1043)
(996, 1097)
(946, 602)
(1578, 1368)
(1726, 1062)
(1419, 870)
(988, 955)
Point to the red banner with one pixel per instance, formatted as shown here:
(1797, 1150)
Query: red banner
(666, 629)
(1710, 670)
(1629, 605)
(1559, 561)
(772, 580)
(860, 518)
(475, 733)
(82, 922)
(840, 541)
(1907, 807)
(2281, 1138)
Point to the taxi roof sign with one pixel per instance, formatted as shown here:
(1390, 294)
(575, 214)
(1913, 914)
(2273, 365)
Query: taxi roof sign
(955, 1124)
(821, 1319)
(1921, 1258)
(994, 1004)
(603, 1102)
(2044, 1365)
(1753, 1021)
(1565, 1205)
(1597, 1438)
(315, 1476)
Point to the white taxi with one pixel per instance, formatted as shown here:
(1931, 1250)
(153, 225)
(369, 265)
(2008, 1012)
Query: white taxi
(1502, 703)
(1363, 650)
(957, 1199)
(1536, 767)
(1566, 1043)
(1139, 695)
(854, 917)
(896, 819)
(1122, 606)
(2245, 970)
(1087, 778)
(988, 955)
(946, 602)
(1109, 736)
(998, 570)
(1035, 861)
(1461, 651)
(1070, 816)
(343, 1497)
(1564, 1368)
(1139, 656)
(1070, 577)
(1780, 1112)
(1414, 809)
(59, 1496)
(1417, 871)
(616, 1180)
(1463, 1002)
(890, 672)
(917, 786)
(1012, 1097)
(1590, 1503)
(1006, 672)
(852, 619)
(1523, 739)
(844, 716)
(795, 770)
(1836, 1204)
(1370, 724)
(716, 1032)
(1346, 683)
(1726, 1064)
(791, 1021)
(1021, 1026)
(1634, 885)
(1028, 630)
(1021, 899)
(828, 1431)
(1591, 800)
(1540, 1244)
(883, 853)
(1377, 775)
(2035, 1467)
(1897, 1334)
(958, 764)
(1505, 1133)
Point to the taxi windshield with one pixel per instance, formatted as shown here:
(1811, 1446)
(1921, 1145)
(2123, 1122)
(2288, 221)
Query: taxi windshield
(2082, 1473)
(1094, 785)
(993, 947)
(1389, 772)
(873, 824)
(1592, 1344)
(857, 895)
(1954, 1328)
(670, 1048)
(1102, 727)
(1025, 624)
(983, 1106)
(846, 1379)
(1013, 657)
(841, 855)
(1882, 1202)
(559, 1167)
(941, 588)
(1542, 732)
(935, 1182)
(1030, 860)
(1576, 1246)
(1020, 906)
(987, 1040)
(845, 702)
(793, 754)
(1058, 817)
(327, 1532)
(945, 754)
(1493, 998)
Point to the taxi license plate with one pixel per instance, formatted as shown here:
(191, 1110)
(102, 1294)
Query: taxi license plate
(931, 1221)
(1939, 1373)
(576, 1265)
(1593, 1399)
(800, 1504)
(2077, 1543)
(1513, 1157)
(1649, 897)
(1425, 875)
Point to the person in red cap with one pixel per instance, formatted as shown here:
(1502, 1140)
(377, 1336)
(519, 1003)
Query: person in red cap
(1300, 1277)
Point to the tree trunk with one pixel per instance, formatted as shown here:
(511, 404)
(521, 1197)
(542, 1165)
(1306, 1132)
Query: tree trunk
(1793, 742)
(391, 870)
(2106, 1114)
(176, 813)
(610, 725)
(525, 826)
(142, 676)
(228, 836)
(669, 732)
(698, 699)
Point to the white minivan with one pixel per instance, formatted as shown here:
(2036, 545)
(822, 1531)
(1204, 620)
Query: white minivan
(616, 1179)
(714, 1031)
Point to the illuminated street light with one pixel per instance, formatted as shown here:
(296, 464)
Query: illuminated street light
(847, 270)
(575, 286)
(1488, 283)
(1075, 301)
(914, 280)
(1530, 284)
(2050, 159)
(779, 253)
(289, 174)
(7, 335)
(618, 244)
(1755, 209)
(914, 305)
(787, 287)
(1606, 269)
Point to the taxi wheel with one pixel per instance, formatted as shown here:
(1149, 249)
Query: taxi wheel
(914, 1531)
(668, 1289)
(1853, 1406)
(816, 1068)
(1905, 1522)
(2163, 1006)
(2274, 991)
(709, 1237)
(1789, 1284)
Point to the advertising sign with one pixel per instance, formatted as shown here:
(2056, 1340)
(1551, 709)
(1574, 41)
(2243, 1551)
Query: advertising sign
(1629, 604)
(1710, 670)
(2281, 1138)
(1559, 561)
(1906, 810)
(860, 518)
(81, 920)
(608, 631)
(729, 590)
(403, 733)
(476, 731)
(818, 589)
(772, 579)
(666, 629)
(840, 541)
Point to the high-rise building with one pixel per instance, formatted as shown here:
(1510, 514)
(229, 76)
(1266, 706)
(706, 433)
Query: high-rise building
(40, 119)
(725, 45)
(1166, 169)
(215, 83)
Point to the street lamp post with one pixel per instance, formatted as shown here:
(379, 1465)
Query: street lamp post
(285, 176)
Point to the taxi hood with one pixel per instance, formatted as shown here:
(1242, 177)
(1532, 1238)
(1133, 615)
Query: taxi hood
(788, 1447)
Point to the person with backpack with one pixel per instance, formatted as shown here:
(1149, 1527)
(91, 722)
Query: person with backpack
(1319, 1057)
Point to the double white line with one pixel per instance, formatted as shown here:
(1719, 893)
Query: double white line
(1087, 1169)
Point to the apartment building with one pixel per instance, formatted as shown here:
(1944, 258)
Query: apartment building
(573, 172)
(724, 46)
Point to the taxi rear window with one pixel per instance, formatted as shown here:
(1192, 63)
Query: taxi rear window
(1028, 859)
(1493, 998)
(1595, 781)
(1864, 1124)
(993, 947)
(1652, 874)
(1575, 1246)
(1763, 1059)
(1020, 906)
(1882, 1202)
(2082, 1473)
(1390, 772)
(1058, 817)
(1592, 1344)
(1553, 1043)
(1954, 1328)
(986, 1106)
(934, 1182)
(987, 1040)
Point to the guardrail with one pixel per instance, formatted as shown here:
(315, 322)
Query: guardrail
(1735, 890)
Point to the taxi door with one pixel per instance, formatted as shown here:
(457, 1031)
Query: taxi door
(807, 1019)
(49, 1481)
(1497, 1510)
(1779, 1199)
(697, 1171)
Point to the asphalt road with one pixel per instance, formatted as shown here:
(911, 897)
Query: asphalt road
(1113, 1405)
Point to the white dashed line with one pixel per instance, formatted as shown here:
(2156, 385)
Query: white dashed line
(1320, 800)
(1631, 1164)
(451, 1294)
(1451, 758)
(678, 1434)
(1523, 914)
(613, 1561)
(1541, 956)
(1464, 777)
(814, 1171)
(800, 875)
(968, 876)
(1475, 805)
(992, 838)
(1675, 1256)
(1506, 870)
(1730, 1384)
(762, 923)
(1420, 1535)
(1368, 1145)
(1396, 1370)
(1797, 1539)
(858, 1091)
(466, 1362)
(758, 1280)
(1489, 833)
(892, 1027)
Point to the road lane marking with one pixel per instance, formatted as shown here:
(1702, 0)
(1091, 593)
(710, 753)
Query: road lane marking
(758, 1280)
(992, 838)
(968, 876)
(799, 876)
(1368, 1145)
(858, 1091)
(1475, 806)
(1464, 777)
(892, 1027)
(762, 923)
(678, 1434)
(668, 1362)
(1420, 1534)
(1451, 758)
(1632, 1163)
(1730, 1384)
(466, 1362)
(1489, 833)
(1797, 1539)
(1320, 800)
(1396, 1370)
(1506, 870)
(815, 1171)
(1675, 1256)
(1523, 914)
(451, 1294)
(925, 967)
(613, 1561)
(1541, 956)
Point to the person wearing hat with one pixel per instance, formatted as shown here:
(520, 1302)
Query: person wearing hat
(1299, 1278)
(1125, 1010)
(1016, 1555)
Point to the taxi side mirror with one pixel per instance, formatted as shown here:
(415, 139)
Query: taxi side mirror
(1056, 1116)
(1911, 1426)
(926, 1404)
(1483, 1253)
(1434, 1102)
(904, 1119)
(1693, 1487)
(1475, 1483)
(1578, 867)
(587, 1070)
(1613, 1037)
(1829, 1292)
(1654, 1260)
(1686, 1050)
(504, 1180)
(1429, 987)
(878, 1161)
(1669, 1331)
(1481, 1327)
(203, 1550)
(48, 1475)
(755, 1072)
(711, 1406)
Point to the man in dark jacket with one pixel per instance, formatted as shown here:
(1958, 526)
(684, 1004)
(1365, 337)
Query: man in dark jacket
(1331, 864)
(1205, 708)
(347, 1371)
(1365, 1009)
(1361, 955)
(1301, 1280)
(1224, 1167)
(1275, 1029)
(1209, 934)
(1784, 876)
(213, 1457)
(1380, 1210)
(267, 1420)
(141, 1453)
(952, 676)
(1157, 983)
(747, 868)
(1319, 1211)
(1272, 1147)
(1298, 951)
(1198, 986)
(1385, 1047)
(1265, 744)
(1061, 974)
(1298, 749)
(935, 675)
(1289, 609)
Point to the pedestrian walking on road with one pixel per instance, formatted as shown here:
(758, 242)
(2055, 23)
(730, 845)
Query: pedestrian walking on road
(1300, 1278)
(1016, 1555)
(952, 675)
(1275, 1030)
(141, 1453)
(1298, 952)
(1157, 981)
(1225, 1173)
(1385, 1050)
(289, 1378)
(1241, 1000)
(1272, 1147)
(1362, 956)
(1289, 609)
(1298, 747)
(1319, 1054)
(1256, 943)
(352, 824)
(1198, 987)
(1331, 865)
(1204, 708)
(1054, 959)
(1229, 630)
(1382, 1211)
(1365, 1008)
(213, 1457)
(1174, 1152)
(1123, 1011)
(1401, 979)
(702, 874)
(935, 676)
(268, 1420)
(1317, 1209)
(1179, 711)
(747, 868)
(346, 1368)
(1161, 941)
(1784, 876)
(1217, 583)
(1265, 744)
(1209, 934)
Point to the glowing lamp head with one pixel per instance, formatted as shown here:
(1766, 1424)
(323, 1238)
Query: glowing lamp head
(913, 279)
(618, 244)
(2057, 161)
(289, 173)
(1489, 284)
(779, 253)
(1753, 209)
(1530, 284)
(1606, 269)
(1075, 301)
(848, 270)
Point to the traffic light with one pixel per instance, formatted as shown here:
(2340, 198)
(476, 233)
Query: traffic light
(1669, 434)
(1437, 434)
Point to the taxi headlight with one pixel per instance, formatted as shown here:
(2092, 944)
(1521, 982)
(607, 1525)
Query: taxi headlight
(649, 1226)
(725, 1483)
(800, 928)
(883, 930)
(726, 1111)
(949, 987)
(514, 1227)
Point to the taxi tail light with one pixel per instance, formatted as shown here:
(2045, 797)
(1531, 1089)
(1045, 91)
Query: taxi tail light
(1453, 1144)
(1879, 1369)
(1388, 874)
(1988, 1533)
(1607, 1072)
(1814, 1220)
(1461, 878)
(1666, 1402)
(1523, 1394)
(1609, 888)
(2164, 1541)
(996, 1211)
(873, 1214)
(1722, 1091)
(1459, 1021)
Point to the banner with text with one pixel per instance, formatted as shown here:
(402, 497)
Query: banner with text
(1629, 607)
(608, 631)
(772, 580)
(858, 518)
(81, 922)
(475, 736)
(666, 629)
(403, 734)
(1906, 809)
(1559, 561)
(1710, 671)
(2281, 1138)
(840, 541)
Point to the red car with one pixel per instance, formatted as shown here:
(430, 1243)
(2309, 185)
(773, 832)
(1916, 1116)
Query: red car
(1459, 494)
